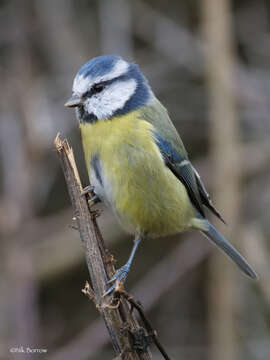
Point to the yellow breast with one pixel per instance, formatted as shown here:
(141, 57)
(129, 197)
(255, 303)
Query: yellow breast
(141, 190)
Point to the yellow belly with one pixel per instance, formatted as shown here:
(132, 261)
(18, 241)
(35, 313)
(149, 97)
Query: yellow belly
(143, 193)
(158, 206)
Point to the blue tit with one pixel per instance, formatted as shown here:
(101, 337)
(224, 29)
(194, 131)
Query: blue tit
(136, 160)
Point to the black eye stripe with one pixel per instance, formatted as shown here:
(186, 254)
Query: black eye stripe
(95, 89)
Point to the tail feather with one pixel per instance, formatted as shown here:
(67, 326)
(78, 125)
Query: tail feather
(219, 240)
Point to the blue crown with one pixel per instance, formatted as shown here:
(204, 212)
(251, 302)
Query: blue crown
(99, 66)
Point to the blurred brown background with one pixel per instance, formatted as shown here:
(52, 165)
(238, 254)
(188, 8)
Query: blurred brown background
(208, 61)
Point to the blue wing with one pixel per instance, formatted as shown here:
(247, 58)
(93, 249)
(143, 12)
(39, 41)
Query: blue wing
(185, 172)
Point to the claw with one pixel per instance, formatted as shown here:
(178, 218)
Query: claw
(88, 189)
(93, 200)
(118, 278)
(109, 291)
(120, 275)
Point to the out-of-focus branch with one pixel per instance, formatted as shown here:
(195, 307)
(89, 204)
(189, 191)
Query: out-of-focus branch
(186, 49)
(18, 302)
(258, 254)
(115, 35)
(225, 156)
(117, 318)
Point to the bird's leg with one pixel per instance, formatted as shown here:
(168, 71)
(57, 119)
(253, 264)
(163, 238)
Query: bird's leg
(121, 274)
(94, 199)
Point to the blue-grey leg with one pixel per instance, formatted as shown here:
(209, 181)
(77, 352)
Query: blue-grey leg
(121, 274)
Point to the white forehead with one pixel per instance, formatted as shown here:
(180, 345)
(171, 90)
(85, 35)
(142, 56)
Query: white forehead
(81, 84)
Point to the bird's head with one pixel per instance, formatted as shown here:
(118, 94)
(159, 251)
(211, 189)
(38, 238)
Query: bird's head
(107, 86)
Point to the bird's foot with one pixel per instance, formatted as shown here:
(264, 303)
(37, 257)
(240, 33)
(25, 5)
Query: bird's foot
(93, 198)
(87, 190)
(118, 278)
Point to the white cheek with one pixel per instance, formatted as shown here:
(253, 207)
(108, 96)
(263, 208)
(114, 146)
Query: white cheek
(111, 99)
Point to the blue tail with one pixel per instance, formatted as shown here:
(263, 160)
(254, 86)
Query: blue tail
(219, 240)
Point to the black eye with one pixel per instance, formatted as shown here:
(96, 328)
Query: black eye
(97, 88)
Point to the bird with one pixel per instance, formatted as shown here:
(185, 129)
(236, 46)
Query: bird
(136, 161)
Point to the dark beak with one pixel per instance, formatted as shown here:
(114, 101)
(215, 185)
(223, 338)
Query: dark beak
(74, 101)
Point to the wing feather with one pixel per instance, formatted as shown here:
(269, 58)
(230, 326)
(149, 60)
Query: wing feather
(182, 169)
(176, 157)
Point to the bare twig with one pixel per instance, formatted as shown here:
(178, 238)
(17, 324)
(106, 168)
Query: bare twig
(178, 263)
(117, 318)
(151, 332)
